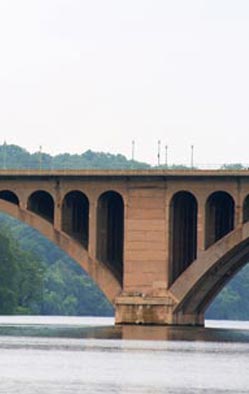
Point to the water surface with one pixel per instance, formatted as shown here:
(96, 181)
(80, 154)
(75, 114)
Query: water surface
(90, 355)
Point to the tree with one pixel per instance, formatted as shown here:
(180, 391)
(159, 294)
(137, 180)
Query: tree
(8, 277)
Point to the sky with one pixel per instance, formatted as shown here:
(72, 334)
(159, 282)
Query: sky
(79, 74)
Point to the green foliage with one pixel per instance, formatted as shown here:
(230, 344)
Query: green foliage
(68, 292)
(21, 277)
(14, 157)
(233, 301)
(234, 166)
(43, 279)
(8, 276)
(175, 167)
(30, 282)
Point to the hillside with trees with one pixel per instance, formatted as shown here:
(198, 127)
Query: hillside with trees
(38, 278)
(15, 157)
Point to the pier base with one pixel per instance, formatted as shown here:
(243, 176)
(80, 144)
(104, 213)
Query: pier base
(145, 310)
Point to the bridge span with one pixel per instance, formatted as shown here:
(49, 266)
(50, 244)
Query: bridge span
(160, 244)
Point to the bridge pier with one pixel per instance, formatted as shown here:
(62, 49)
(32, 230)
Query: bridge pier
(148, 310)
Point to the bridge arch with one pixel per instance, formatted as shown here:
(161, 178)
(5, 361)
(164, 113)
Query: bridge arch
(10, 196)
(110, 231)
(98, 271)
(196, 288)
(219, 215)
(75, 216)
(183, 225)
(42, 203)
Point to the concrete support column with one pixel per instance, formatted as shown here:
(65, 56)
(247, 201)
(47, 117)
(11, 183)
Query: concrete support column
(167, 241)
(238, 214)
(92, 227)
(125, 266)
(201, 225)
(238, 217)
(57, 216)
(57, 207)
(23, 204)
(145, 243)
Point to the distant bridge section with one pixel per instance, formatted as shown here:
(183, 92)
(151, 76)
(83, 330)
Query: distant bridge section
(160, 244)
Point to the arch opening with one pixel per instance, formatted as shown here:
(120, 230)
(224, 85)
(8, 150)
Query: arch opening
(219, 216)
(213, 285)
(9, 196)
(183, 222)
(75, 216)
(246, 209)
(110, 232)
(42, 203)
(210, 273)
(232, 302)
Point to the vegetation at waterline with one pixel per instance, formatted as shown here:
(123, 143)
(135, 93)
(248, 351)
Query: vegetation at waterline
(37, 278)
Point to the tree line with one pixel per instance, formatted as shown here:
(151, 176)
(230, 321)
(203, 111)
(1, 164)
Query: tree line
(15, 157)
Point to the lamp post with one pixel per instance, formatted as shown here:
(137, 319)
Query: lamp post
(4, 155)
(40, 157)
(132, 150)
(192, 157)
(166, 156)
(158, 152)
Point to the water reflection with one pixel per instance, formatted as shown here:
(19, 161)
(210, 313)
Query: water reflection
(184, 334)
(88, 328)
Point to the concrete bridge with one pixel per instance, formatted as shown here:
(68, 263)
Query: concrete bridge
(159, 244)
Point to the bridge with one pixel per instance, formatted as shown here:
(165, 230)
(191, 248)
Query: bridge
(160, 244)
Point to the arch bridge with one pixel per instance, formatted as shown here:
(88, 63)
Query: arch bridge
(160, 244)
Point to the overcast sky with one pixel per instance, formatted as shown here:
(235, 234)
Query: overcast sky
(97, 74)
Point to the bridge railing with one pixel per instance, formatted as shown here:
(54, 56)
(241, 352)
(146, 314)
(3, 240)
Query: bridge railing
(174, 167)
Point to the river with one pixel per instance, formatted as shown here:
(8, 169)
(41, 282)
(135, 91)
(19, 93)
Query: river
(64, 355)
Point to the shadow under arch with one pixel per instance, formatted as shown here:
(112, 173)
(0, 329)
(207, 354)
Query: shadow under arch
(75, 216)
(101, 275)
(10, 196)
(246, 209)
(197, 287)
(42, 203)
(183, 225)
(219, 216)
(110, 232)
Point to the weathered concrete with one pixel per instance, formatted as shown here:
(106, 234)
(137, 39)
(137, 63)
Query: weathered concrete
(147, 285)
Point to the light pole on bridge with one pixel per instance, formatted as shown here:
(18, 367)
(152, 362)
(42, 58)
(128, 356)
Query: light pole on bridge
(192, 157)
(4, 154)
